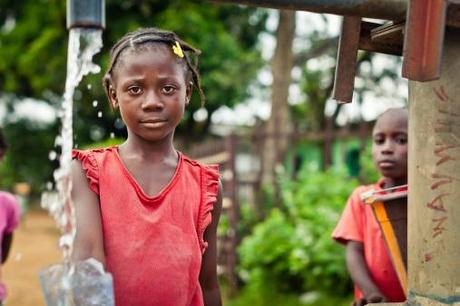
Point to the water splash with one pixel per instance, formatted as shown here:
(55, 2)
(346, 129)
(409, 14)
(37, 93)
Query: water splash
(83, 45)
(52, 155)
(81, 283)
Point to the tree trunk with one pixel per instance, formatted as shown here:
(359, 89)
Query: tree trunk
(279, 125)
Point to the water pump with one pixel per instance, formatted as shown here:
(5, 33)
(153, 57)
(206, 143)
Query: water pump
(85, 14)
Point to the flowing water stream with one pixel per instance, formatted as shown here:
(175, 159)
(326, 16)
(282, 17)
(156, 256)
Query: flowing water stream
(81, 283)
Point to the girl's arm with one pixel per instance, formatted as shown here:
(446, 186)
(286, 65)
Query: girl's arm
(88, 240)
(360, 274)
(208, 274)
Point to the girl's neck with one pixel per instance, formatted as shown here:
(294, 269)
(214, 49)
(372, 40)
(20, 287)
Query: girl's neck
(149, 150)
(389, 182)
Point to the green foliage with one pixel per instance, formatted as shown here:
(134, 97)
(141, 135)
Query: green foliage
(33, 50)
(227, 36)
(316, 85)
(369, 172)
(105, 143)
(264, 294)
(27, 155)
(268, 294)
(292, 249)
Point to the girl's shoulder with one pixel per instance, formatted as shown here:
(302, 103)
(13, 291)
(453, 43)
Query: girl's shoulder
(90, 161)
(199, 165)
(208, 175)
(93, 153)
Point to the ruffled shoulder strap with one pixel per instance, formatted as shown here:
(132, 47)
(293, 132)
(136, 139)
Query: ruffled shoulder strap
(210, 189)
(89, 164)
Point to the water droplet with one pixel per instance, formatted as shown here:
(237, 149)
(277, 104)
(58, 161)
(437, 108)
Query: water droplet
(112, 135)
(58, 141)
(49, 185)
(99, 114)
(95, 103)
(52, 155)
(88, 86)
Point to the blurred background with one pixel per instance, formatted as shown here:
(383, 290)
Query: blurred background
(289, 155)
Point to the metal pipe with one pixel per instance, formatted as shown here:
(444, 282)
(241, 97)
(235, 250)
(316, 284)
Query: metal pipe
(379, 9)
(85, 14)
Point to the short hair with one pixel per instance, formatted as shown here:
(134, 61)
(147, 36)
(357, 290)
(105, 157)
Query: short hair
(134, 40)
(389, 110)
(393, 109)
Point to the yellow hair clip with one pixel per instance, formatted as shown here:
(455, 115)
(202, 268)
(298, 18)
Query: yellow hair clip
(177, 50)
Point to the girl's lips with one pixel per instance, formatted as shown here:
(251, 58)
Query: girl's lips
(386, 164)
(153, 123)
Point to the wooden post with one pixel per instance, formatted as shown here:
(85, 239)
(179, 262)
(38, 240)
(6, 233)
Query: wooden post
(233, 214)
(434, 184)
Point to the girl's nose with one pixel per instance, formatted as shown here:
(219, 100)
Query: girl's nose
(387, 147)
(152, 101)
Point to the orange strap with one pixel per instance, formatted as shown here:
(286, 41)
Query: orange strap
(392, 243)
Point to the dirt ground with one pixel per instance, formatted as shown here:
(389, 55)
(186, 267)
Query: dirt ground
(34, 247)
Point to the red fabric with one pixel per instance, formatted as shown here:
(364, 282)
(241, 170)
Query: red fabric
(153, 245)
(359, 223)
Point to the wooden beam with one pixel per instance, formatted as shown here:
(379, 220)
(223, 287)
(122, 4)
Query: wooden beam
(380, 9)
(387, 38)
(345, 71)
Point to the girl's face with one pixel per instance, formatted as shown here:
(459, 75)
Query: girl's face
(150, 88)
(389, 148)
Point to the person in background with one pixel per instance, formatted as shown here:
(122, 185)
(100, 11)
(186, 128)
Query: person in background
(368, 260)
(9, 219)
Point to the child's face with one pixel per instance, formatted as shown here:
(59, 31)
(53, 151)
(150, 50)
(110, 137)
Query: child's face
(151, 91)
(389, 148)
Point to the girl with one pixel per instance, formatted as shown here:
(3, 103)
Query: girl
(368, 259)
(143, 209)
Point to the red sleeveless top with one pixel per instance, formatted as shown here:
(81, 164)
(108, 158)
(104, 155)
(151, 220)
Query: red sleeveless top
(153, 245)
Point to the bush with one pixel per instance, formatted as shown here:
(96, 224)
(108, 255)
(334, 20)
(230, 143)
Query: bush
(292, 249)
(369, 172)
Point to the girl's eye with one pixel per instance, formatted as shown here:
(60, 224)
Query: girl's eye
(168, 89)
(401, 140)
(379, 140)
(135, 90)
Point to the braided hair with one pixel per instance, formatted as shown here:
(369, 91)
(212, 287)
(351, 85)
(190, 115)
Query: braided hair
(144, 36)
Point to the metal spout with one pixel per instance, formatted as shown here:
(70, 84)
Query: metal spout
(85, 14)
